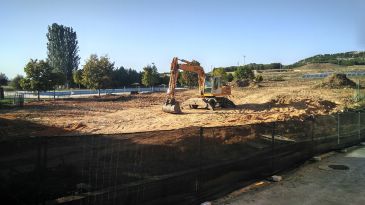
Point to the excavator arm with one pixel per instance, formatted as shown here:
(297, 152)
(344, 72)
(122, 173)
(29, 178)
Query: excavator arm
(171, 105)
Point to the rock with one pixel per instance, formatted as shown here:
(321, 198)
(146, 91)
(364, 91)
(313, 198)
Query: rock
(276, 178)
(317, 158)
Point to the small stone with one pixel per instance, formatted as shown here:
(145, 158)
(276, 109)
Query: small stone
(276, 178)
(317, 158)
(206, 203)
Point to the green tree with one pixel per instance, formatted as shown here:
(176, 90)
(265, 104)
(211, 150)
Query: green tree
(77, 77)
(229, 77)
(40, 76)
(15, 82)
(259, 78)
(189, 79)
(63, 50)
(150, 76)
(220, 72)
(120, 77)
(133, 76)
(97, 72)
(164, 79)
(243, 73)
(3, 79)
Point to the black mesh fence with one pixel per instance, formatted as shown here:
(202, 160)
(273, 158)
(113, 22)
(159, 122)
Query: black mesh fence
(184, 166)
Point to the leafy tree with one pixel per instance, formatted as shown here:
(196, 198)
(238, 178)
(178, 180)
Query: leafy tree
(220, 72)
(164, 79)
(150, 75)
(189, 79)
(97, 72)
(40, 76)
(120, 77)
(15, 82)
(229, 77)
(243, 73)
(77, 77)
(3, 79)
(259, 78)
(63, 50)
(133, 76)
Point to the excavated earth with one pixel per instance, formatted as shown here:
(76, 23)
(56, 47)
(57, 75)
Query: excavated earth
(271, 101)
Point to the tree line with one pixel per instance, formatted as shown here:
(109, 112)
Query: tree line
(61, 68)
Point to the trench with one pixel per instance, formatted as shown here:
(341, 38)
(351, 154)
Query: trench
(183, 166)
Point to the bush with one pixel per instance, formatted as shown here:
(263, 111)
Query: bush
(243, 73)
(259, 78)
(15, 83)
(229, 77)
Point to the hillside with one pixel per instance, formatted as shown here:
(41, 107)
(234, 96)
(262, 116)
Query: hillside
(346, 59)
(320, 61)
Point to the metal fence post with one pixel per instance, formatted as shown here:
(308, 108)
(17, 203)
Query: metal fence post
(338, 128)
(273, 146)
(359, 125)
(197, 184)
(314, 151)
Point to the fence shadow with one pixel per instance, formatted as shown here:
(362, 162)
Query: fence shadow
(183, 166)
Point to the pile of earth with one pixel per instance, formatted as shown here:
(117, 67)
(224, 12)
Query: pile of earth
(240, 83)
(311, 106)
(338, 80)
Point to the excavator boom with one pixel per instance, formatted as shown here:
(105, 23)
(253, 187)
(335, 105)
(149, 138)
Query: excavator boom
(171, 105)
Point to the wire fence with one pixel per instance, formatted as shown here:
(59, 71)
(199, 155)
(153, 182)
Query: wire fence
(184, 166)
(80, 92)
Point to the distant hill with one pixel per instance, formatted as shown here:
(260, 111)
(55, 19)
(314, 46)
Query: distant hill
(346, 59)
(328, 61)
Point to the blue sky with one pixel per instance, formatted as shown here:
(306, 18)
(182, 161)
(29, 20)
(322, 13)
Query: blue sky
(135, 33)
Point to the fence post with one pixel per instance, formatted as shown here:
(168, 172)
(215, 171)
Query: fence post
(197, 180)
(338, 128)
(359, 125)
(314, 151)
(273, 146)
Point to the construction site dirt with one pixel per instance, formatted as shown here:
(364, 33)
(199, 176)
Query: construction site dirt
(271, 101)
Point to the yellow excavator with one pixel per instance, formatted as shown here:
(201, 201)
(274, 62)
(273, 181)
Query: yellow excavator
(212, 92)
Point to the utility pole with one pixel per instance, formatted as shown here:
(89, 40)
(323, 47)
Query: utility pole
(244, 60)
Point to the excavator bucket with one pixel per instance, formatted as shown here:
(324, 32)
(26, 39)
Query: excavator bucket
(173, 108)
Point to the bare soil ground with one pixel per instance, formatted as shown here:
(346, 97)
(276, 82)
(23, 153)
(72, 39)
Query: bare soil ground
(271, 101)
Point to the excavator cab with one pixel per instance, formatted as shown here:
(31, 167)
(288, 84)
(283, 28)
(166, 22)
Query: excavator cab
(213, 87)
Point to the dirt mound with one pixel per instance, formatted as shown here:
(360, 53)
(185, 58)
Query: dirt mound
(338, 80)
(311, 106)
(240, 83)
